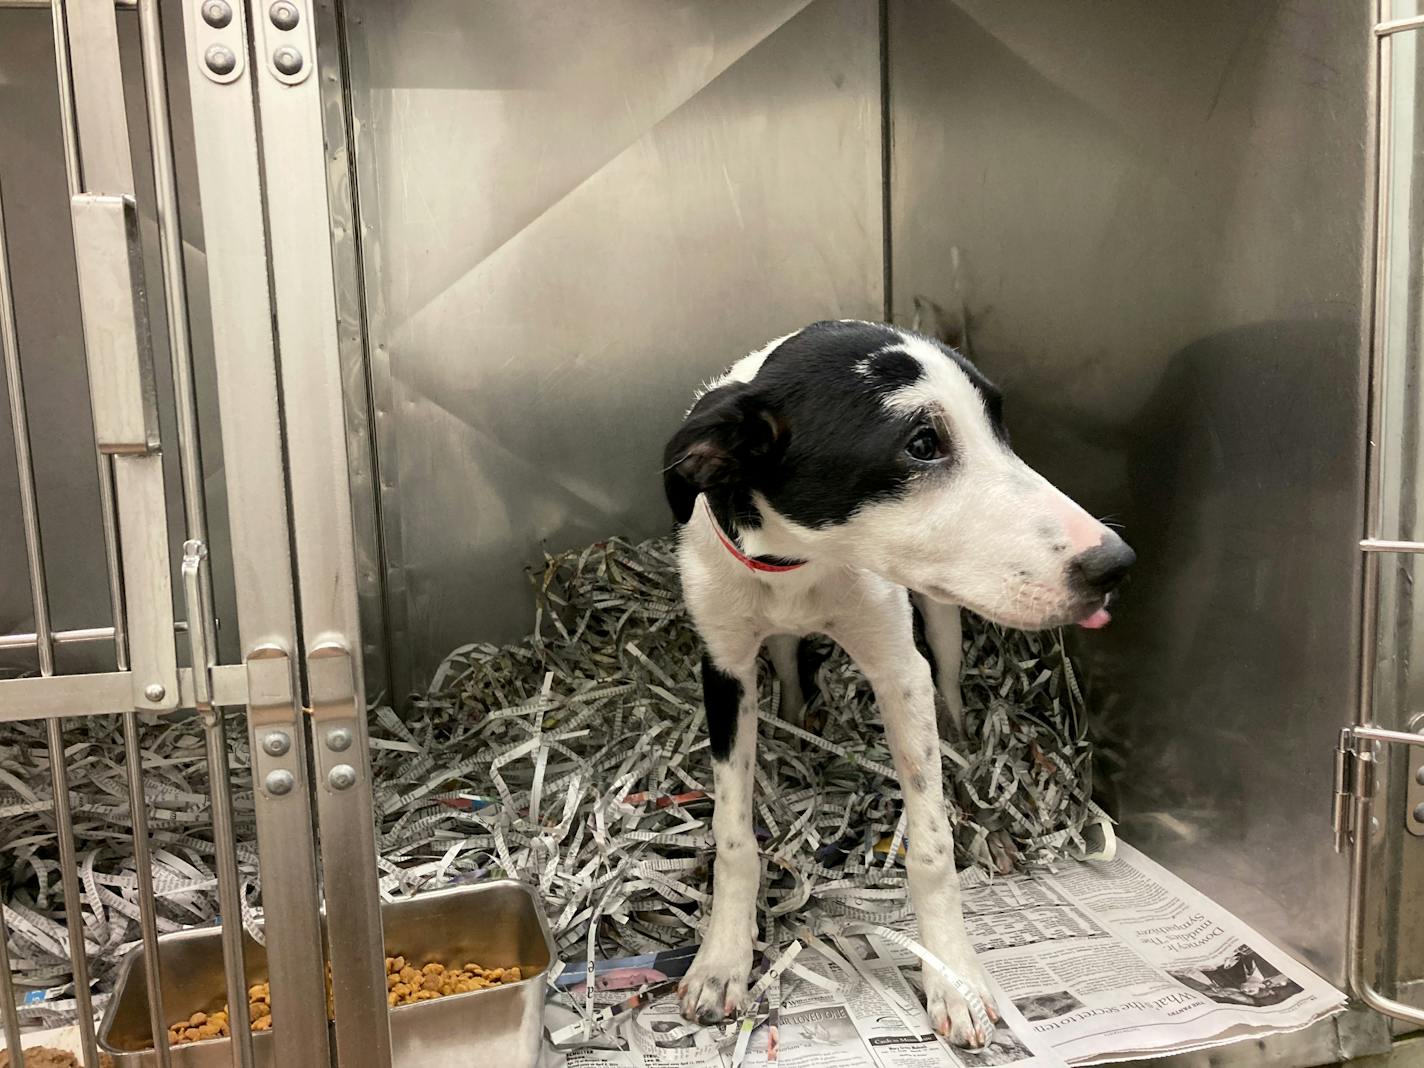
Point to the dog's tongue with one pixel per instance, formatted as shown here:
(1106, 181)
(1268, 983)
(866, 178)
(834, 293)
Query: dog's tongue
(1098, 620)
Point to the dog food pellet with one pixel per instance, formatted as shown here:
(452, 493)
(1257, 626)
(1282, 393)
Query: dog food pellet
(45, 1057)
(405, 985)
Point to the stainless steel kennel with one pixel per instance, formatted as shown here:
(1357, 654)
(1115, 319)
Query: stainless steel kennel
(432, 278)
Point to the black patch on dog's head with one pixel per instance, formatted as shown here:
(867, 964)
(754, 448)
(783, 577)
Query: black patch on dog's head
(728, 441)
(811, 432)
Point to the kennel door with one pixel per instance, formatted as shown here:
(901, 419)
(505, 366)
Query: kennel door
(1380, 780)
(266, 259)
(102, 247)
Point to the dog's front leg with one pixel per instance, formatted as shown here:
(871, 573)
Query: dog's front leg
(882, 644)
(716, 984)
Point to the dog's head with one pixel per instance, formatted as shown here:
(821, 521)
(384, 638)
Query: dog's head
(876, 448)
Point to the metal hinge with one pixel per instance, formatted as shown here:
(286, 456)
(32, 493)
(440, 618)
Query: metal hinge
(1356, 758)
(1355, 764)
(1347, 774)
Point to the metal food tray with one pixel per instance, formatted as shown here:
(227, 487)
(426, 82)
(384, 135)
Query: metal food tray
(496, 924)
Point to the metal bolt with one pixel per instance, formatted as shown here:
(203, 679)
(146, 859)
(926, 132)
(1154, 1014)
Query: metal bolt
(276, 743)
(154, 691)
(339, 739)
(220, 59)
(287, 60)
(280, 782)
(1419, 812)
(284, 15)
(1419, 774)
(342, 777)
(217, 13)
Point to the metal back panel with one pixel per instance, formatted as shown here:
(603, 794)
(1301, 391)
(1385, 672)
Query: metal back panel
(572, 215)
(1156, 211)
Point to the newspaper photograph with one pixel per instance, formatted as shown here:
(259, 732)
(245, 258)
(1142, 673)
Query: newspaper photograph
(1093, 962)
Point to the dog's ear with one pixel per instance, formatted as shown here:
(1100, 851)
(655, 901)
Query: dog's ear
(729, 436)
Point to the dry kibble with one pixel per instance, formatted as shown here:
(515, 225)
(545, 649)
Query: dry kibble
(405, 985)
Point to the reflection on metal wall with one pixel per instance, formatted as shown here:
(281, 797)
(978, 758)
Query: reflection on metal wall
(47, 300)
(572, 214)
(1157, 214)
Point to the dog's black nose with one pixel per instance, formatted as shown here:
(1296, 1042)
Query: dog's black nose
(1102, 568)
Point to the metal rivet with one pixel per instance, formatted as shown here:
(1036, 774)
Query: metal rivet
(220, 59)
(277, 743)
(154, 691)
(280, 782)
(284, 15)
(1419, 812)
(287, 60)
(217, 13)
(339, 739)
(342, 777)
(1419, 774)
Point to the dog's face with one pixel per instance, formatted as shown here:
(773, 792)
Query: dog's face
(879, 449)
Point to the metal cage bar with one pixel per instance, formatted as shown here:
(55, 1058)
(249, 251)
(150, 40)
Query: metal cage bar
(107, 514)
(34, 558)
(34, 555)
(96, 129)
(80, 636)
(202, 631)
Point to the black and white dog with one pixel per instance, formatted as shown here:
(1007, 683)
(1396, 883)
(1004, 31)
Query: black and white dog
(819, 480)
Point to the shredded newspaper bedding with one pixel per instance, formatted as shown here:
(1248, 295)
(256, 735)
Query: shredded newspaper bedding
(576, 759)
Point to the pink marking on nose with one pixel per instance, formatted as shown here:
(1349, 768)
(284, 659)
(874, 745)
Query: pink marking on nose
(1083, 531)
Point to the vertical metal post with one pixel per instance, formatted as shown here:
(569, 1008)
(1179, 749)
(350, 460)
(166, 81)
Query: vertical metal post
(221, 88)
(107, 514)
(34, 554)
(147, 907)
(289, 104)
(99, 162)
(98, 128)
(199, 605)
(175, 290)
(7, 990)
(201, 625)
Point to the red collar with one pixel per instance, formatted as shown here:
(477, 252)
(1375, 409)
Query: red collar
(751, 561)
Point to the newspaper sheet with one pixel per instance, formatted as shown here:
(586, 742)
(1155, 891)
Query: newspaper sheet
(1095, 962)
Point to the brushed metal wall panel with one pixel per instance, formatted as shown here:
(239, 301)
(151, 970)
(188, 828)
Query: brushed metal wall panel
(1157, 212)
(571, 215)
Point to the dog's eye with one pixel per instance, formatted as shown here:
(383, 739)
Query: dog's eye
(925, 445)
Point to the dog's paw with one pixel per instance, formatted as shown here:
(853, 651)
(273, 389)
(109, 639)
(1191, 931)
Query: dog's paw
(949, 1012)
(715, 987)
